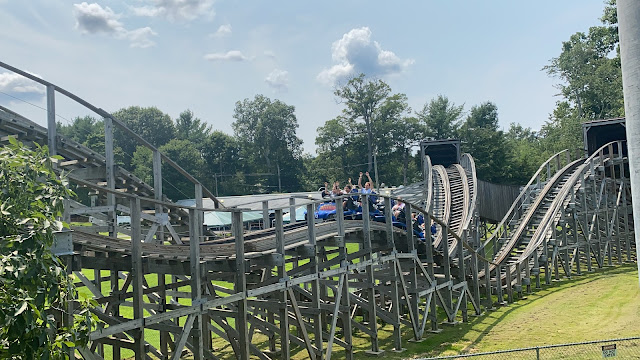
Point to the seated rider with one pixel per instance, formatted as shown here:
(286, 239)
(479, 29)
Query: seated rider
(336, 191)
(325, 191)
(349, 203)
(368, 189)
(398, 211)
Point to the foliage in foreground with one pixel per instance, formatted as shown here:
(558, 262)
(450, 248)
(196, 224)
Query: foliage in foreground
(34, 285)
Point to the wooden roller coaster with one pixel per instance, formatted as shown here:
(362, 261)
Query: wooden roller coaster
(167, 287)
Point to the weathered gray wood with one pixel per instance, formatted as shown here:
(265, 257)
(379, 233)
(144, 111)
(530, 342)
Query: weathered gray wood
(240, 286)
(177, 352)
(315, 284)
(285, 349)
(51, 120)
(370, 279)
(110, 174)
(195, 227)
(137, 275)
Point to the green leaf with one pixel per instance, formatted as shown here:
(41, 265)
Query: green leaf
(22, 308)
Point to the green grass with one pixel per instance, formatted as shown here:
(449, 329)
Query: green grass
(599, 305)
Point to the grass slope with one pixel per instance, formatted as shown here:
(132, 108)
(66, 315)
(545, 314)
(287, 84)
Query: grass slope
(600, 305)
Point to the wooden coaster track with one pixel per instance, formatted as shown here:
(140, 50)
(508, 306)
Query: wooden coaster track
(167, 288)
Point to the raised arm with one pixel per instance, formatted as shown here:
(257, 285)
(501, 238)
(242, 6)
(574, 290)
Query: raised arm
(370, 181)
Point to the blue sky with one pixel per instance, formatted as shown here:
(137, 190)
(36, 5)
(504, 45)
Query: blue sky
(205, 55)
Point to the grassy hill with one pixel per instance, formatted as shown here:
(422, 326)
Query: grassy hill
(600, 305)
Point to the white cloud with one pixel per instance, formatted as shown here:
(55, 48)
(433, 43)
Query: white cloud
(356, 53)
(233, 55)
(223, 31)
(176, 9)
(269, 54)
(141, 37)
(278, 79)
(18, 86)
(94, 19)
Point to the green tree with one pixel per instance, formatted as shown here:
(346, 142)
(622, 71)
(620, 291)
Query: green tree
(189, 127)
(35, 286)
(222, 159)
(341, 151)
(525, 153)
(481, 138)
(441, 118)
(266, 131)
(362, 99)
(406, 133)
(151, 124)
(591, 82)
(174, 185)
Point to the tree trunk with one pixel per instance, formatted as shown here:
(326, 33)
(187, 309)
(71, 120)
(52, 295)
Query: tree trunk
(405, 162)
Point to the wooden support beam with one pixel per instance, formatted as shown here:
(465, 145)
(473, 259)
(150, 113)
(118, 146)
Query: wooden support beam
(240, 286)
(137, 274)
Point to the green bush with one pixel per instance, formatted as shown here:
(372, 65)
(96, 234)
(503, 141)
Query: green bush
(34, 285)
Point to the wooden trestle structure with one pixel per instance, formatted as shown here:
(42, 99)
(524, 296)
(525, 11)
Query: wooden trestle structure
(166, 287)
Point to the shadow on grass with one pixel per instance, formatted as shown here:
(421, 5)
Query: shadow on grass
(448, 341)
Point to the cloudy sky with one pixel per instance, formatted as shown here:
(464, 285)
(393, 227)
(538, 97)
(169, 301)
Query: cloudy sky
(205, 55)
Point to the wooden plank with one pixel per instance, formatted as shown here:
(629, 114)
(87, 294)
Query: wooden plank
(138, 275)
(177, 352)
(240, 286)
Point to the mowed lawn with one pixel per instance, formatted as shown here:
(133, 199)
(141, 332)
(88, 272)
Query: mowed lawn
(600, 305)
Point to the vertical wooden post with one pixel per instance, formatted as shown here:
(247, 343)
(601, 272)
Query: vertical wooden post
(51, 121)
(196, 280)
(587, 248)
(395, 298)
(509, 285)
(110, 175)
(138, 276)
(574, 229)
(346, 302)
(475, 234)
(527, 271)
(115, 288)
(266, 223)
(433, 313)
(446, 268)
(499, 285)
(240, 287)
(519, 278)
(462, 276)
(371, 281)
(315, 284)
(285, 349)
(487, 279)
(547, 270)
(565, 241)
(158, 195)
(413, 273)
(292, 210)
(555, 252)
